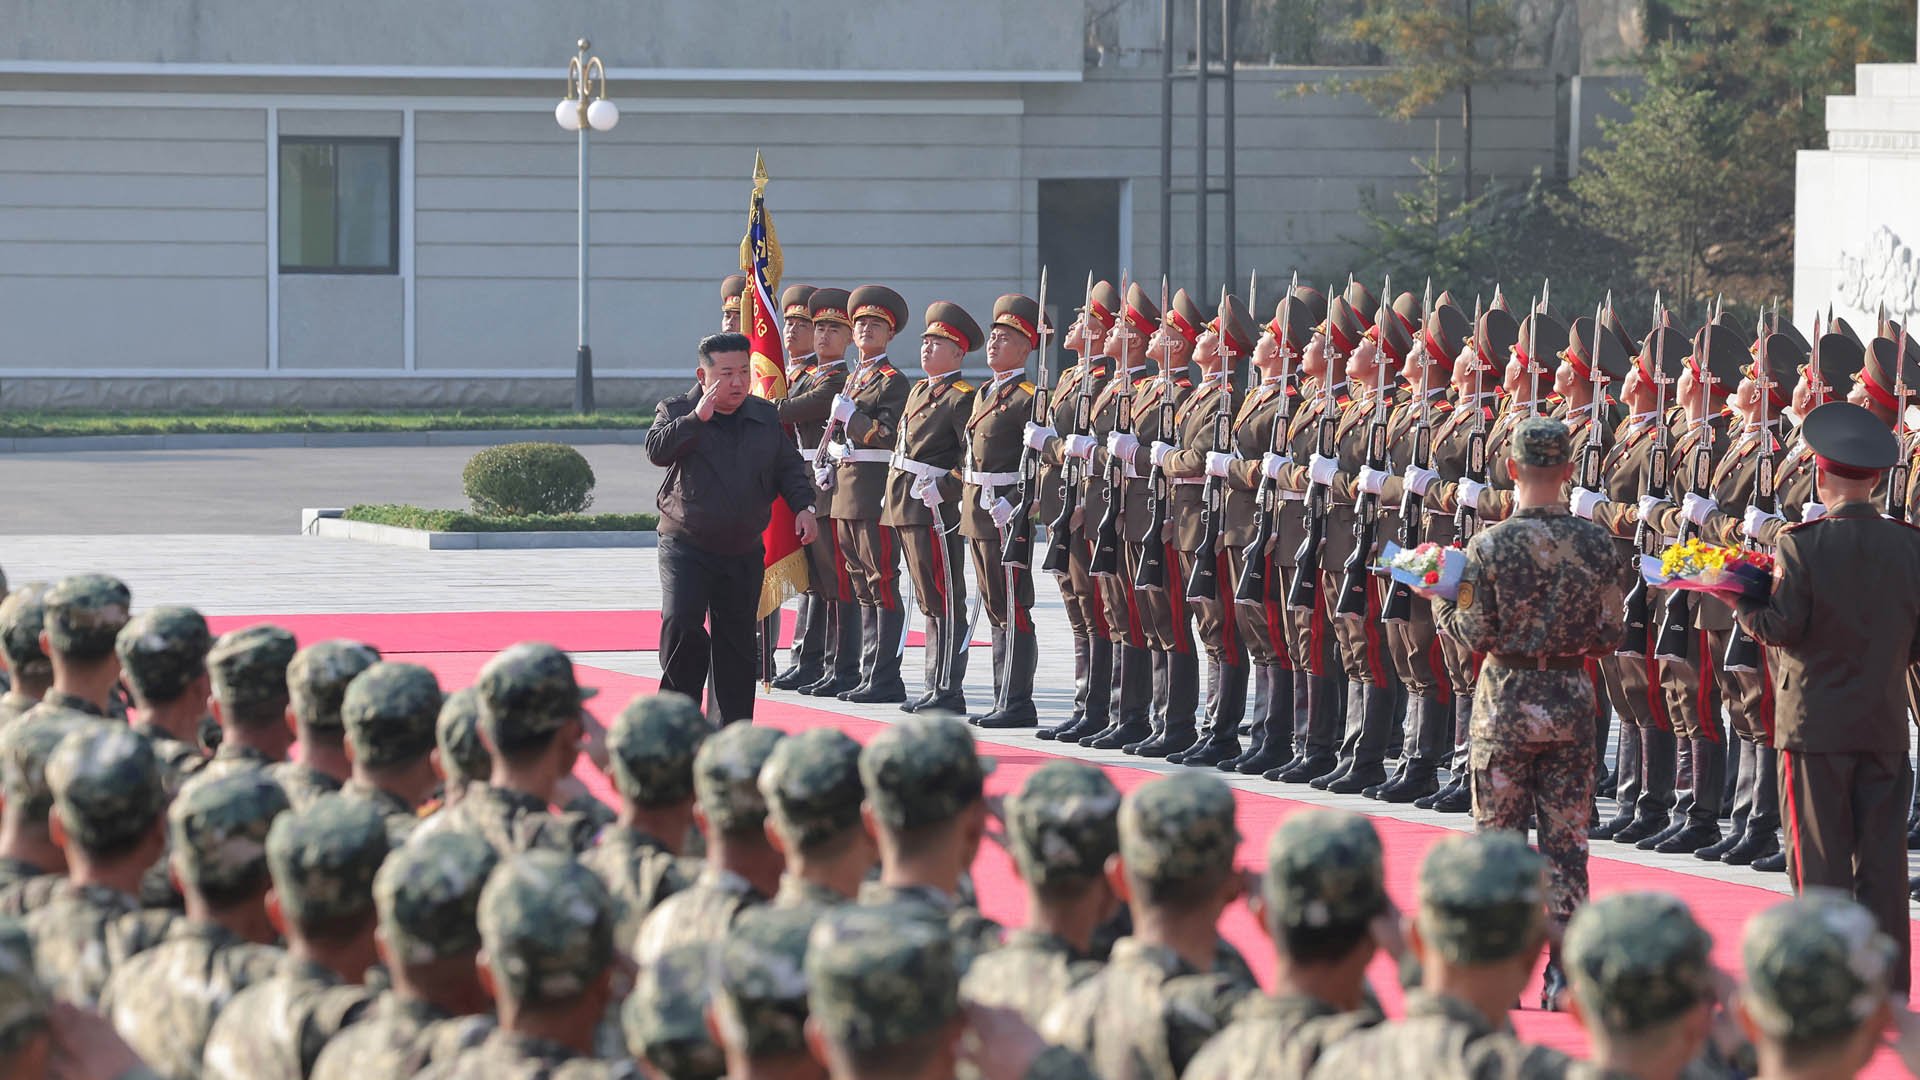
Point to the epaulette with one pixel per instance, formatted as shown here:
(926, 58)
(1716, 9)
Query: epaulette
(963, 386)
(887, 368)
(1027, 386)
(1444, 405)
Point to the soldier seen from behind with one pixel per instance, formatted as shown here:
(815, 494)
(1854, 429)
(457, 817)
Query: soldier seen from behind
(812, 785)
(388, 713)
(639, 857)
(250, 698)
(317, 682)
(22, 615)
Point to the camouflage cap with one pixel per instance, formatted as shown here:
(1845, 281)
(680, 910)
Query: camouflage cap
(1178, 828)
(1638, 960)
(389, 712)
(1482, 897)
(218, 829)
(106, 785)
(250, 666)
(922, 770)
(665, 1018)
(323, 858)
(1063, 823)
(653, 743)
(85, 613)
(162, 650)
(318, 678)
(25, 746)
(812, 786)
(880, 975)
(1817, 966)
(428, 895)
(1542, 442)
(23, 615)
(24, 1000)
(527, 690)
(457, 732)
(547, 925)
(762, 982)
(726, 775)
(1323, 869)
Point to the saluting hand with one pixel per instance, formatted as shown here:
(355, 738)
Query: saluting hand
(805, 527)
(709, 399)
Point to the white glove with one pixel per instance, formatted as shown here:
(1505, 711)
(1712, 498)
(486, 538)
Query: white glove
(1320, 470)
(823, 478)
(1372, 480)
(1081, 446)
(1158, 452)
(1420, 479)
(1812, 511)
(837, 451)
(1038, 435)
(1470, 492)
(1697, 506)
(1651, 505)
(1755, 519)
(1122, 445)
(1217, 463)
(1585, 501)
(843, 409)
(1002, 512)
(928, 492)
(1270, 466)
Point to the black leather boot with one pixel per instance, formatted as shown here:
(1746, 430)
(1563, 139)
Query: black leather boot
(841, 665)
(883, 687)
(1156, 716)
(1742, 762)
(1183, 688)
(1130, 700)
(1204, 722)
(1376, 732)
(809, 645)
(1351, 732)
(1252, 733)
(1228, 705)
(1628, 780)
(1081, 645)
(999, 637)
(1314, 755)
(1092, 716)
(869, 647)
(1274, 729)
(1703, 826)
(1015, 709)
(1432, 737)
(1775, 863)
(1457, 755)
(1136, 725)
(1553, 982)
(1762, 837)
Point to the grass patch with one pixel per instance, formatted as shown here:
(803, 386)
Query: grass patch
(418, 517)
(31, 424)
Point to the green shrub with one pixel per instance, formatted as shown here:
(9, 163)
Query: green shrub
(528, 478)
(417, 517)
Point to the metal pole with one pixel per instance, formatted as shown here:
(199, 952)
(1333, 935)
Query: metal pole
(1200, 146)
(583, 358)
(1226, 143)
(1166, 137)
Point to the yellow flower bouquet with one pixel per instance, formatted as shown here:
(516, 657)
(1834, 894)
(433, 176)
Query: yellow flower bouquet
(1698, 566)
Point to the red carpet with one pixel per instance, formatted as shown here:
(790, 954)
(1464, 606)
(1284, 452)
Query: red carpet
(488, 631)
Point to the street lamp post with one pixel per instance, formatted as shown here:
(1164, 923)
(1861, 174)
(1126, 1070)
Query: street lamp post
(577, 113)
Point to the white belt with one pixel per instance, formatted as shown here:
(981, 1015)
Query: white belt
(917, 468)
(1292, 496)
(1188, 481)
(809, 451)
(990, 479)
(869, 457)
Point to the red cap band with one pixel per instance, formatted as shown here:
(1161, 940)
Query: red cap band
(1846, 472)
(1186, 329)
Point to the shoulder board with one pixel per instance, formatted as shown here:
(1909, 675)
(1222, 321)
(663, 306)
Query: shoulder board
(1183, 381)
(888, 369)
(963, 386)
(1444, 405)
(1027, 386)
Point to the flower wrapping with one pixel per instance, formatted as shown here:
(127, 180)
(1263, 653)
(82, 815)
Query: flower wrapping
(1696, 566)
(1430, 568)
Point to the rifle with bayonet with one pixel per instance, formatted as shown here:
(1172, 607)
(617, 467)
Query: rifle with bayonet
(1676, 628)
(1203, 583)
(1743, 653)
(1399, 603)
(1639, 602)
(1466, 519)
(1902, 465)
(1060, 529)
(1592, 474)
(1109, 536)
(1017, 550)
(1356, 579)
(1303, 594)
(1257, 585)
(1152, 573)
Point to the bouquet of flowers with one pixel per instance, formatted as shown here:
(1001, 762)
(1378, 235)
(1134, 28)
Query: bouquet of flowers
(1430, 568)
(1697, 566)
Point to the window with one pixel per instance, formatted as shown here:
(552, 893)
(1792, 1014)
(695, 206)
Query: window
(339, 206)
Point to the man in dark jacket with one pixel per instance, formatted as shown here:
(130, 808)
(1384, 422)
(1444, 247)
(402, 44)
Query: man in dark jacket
(727, 459)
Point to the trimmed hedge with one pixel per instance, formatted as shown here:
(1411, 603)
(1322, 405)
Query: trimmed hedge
(528, 478)
(417, 517)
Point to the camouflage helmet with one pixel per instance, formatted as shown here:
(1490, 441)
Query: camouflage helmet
(880, 975)
(1542, 442)
(250, 667)
(1482, 897)
(106, 783)
(761, 986)
(922, 770)
(527, 690)
(1817, 967)
(811, 784)
(1638, 960)
(726, 775)
(665, 1018)
(389, 712)
(457, 733)
(162, 651)
(1323, 869)
(547, 925)
(428, 895)
(1178, 828)
(323, 858)
(318, 678)
(85, 613)
(1063, 823)
(25, 746)
(23, 615)
(218, 828)
(653, 743)
(24, 1000)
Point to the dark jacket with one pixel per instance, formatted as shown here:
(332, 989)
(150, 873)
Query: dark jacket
(723, 474)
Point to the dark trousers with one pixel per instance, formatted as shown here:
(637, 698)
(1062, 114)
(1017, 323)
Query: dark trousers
(1845, 816)
(707, 621)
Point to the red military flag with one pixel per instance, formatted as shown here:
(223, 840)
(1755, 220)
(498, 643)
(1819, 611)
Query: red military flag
(786, 561)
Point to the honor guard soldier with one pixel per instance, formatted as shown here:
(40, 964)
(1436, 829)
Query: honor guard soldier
(804, 412)
(732, 287)
(796, 330)
(808, 406)
(923, 495)
(864, 425)
(1072, 404)
(1840, 709)
(995, 444)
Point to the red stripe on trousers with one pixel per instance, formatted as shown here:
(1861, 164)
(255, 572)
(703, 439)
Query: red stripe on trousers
(1276, 628)
(938, 544)
(1703, 700)
(1223, 589)
(1793, 817)
(1375, 673)
(1102, 628)
(886, 590)
(1656, 694)
(1177, 600)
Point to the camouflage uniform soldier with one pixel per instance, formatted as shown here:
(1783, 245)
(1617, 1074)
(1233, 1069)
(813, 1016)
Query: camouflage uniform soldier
(163, 656)
(926, 788)
(108, 798)
(1149, 1011)
(22, 615)
(1640, 968)
(317, 682)
(1816, 993)
(31, 864)
(812, 785)
(389, 713)
(83, 615)
(1323, 891)
(666, 1017)
(546, 931)
(1062, 825)
(760, 993)
(428, 896)
(1540, 595)
(742, 868)
(250, 698)
(653, 742)
(164, 1000)
(323, 860)
(459, 756)
(24, 1005)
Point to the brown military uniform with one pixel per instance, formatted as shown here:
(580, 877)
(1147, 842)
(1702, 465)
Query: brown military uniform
(1092, 649)
(827, 641)
(933, 438)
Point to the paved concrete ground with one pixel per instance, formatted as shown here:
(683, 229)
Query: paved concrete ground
(261, 492)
